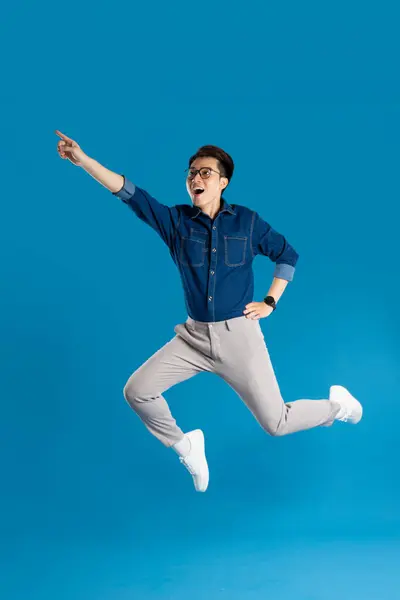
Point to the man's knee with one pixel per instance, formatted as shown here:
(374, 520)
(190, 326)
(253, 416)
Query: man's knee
(279, 431)
(274, 427)
(132, 391)
(138, 391)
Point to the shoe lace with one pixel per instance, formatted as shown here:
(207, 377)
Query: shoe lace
(187, 465)
(346, 415)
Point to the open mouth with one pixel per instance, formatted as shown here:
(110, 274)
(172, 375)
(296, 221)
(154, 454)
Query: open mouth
(198, 191)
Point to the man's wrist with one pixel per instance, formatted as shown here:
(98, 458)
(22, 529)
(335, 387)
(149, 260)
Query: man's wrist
(270, 301)
(86, 163)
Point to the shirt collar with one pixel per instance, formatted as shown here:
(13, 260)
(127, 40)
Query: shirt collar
(225, 207)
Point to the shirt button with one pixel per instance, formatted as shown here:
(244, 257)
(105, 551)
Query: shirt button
(212, 272)
(214, 249)
(214, 227)
(210, 297)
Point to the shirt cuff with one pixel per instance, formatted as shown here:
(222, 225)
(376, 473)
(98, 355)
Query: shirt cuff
(283, 271)
(127, 190)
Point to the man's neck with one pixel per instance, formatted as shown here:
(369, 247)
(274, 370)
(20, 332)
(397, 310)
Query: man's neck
(213, 209)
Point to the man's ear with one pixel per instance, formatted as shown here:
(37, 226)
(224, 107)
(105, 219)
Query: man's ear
(224, 183)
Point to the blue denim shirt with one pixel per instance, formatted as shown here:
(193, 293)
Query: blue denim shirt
(214, 257)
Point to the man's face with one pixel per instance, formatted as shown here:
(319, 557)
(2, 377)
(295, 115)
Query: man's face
(212, 186)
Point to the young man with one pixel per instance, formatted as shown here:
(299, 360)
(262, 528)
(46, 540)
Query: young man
(213, 244)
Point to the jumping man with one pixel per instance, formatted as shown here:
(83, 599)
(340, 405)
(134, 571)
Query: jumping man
(213, 244)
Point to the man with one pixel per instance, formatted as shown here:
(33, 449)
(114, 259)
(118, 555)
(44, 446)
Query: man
(213, 244)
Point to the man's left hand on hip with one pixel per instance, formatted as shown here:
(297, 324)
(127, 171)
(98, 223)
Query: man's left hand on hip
(257, 310)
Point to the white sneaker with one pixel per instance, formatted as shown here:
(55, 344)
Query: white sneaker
(195, 461)
(351, 409)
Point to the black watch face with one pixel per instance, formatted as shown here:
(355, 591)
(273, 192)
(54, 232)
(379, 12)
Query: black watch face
(269, 300)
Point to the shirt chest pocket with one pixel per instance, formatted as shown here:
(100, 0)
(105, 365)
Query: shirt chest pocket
(194, 248)
(235, 250)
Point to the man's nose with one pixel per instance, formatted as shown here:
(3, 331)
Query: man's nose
(197, 178)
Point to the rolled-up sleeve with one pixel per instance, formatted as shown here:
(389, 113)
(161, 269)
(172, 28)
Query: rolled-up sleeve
(163, 219)
(267, 241)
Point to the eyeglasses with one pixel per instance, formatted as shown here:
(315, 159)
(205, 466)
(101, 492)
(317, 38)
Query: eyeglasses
(205, 172)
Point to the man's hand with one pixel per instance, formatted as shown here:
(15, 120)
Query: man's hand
(69, 149)
(257, 310)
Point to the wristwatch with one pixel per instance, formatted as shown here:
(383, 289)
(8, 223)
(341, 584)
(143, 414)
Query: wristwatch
(270, 301)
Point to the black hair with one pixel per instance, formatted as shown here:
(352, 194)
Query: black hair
(225, 161)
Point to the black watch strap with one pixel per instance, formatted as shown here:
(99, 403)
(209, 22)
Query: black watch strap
(270, 301)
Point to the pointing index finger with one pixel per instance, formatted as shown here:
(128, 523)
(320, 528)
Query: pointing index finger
(63, 136)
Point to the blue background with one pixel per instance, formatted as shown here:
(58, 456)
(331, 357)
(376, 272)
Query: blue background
(305, 97)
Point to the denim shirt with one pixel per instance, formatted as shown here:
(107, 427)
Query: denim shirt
(214, 256)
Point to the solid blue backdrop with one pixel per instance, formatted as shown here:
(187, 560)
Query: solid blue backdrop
(305, 97)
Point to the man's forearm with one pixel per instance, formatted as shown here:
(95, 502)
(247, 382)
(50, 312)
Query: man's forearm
(112, 181)
(277, 288)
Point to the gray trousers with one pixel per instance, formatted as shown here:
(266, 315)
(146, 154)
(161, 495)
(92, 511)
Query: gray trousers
(235, 350)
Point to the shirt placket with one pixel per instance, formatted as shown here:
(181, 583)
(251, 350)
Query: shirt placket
(213, 269)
